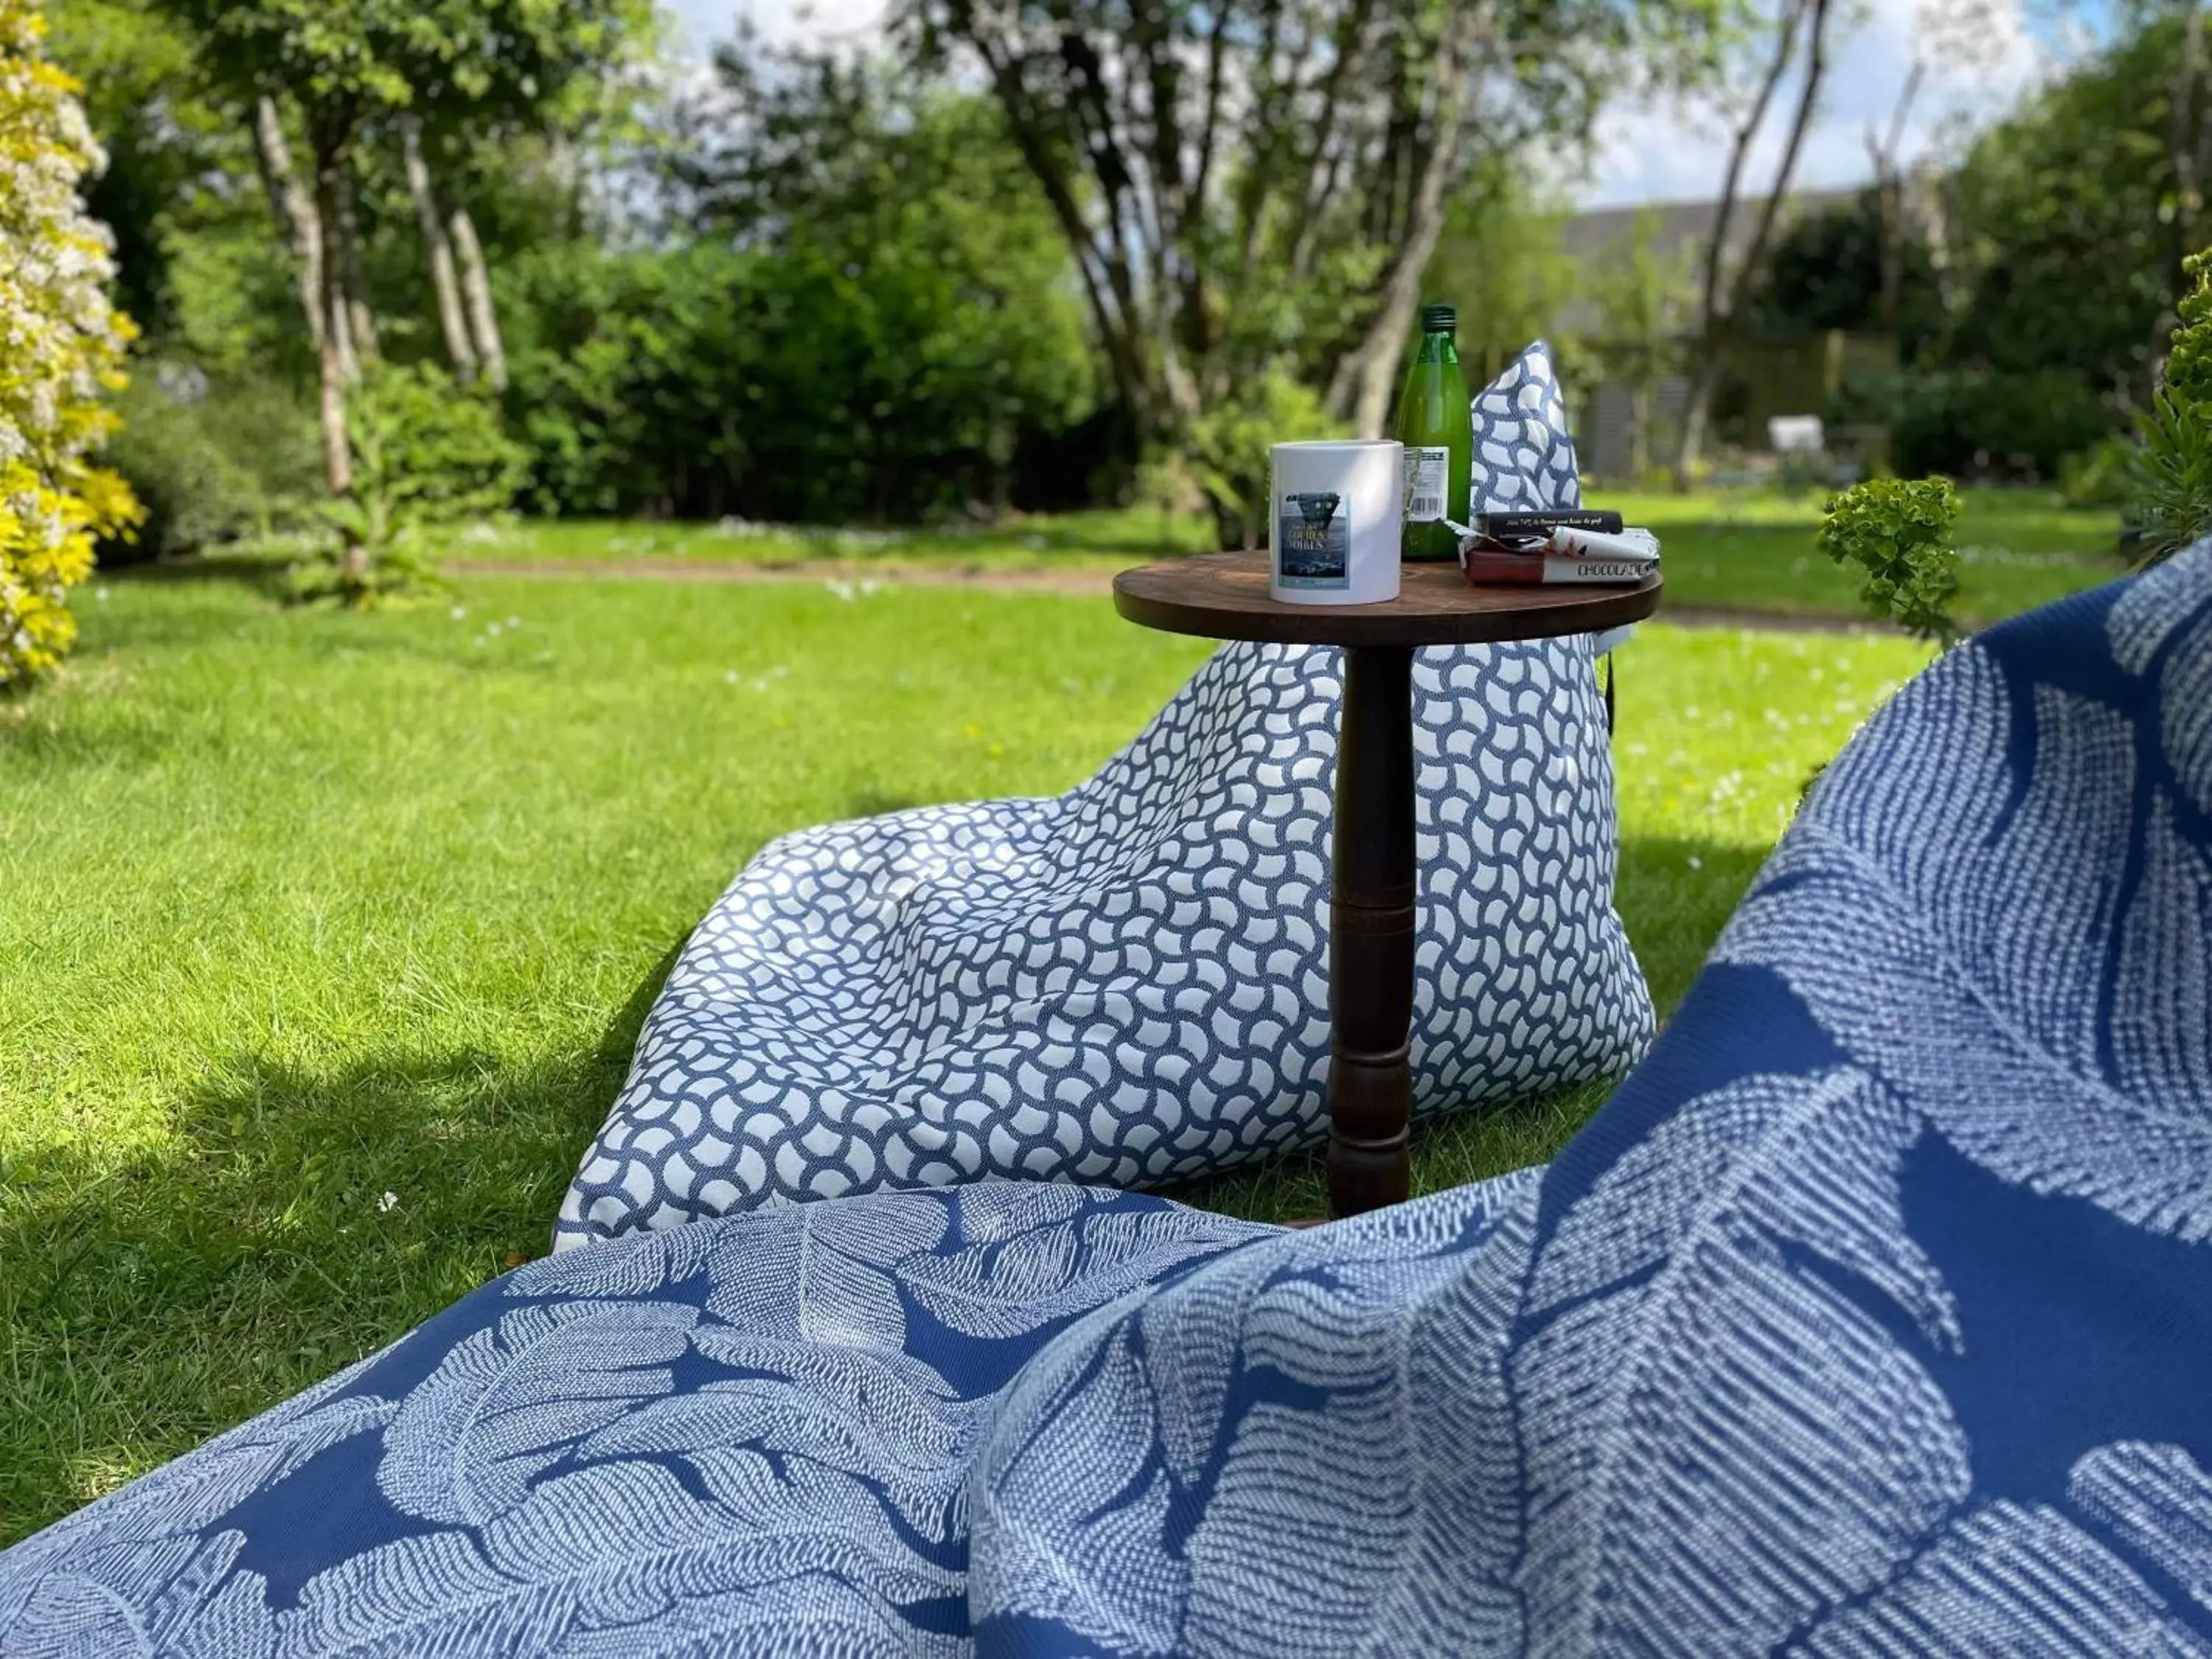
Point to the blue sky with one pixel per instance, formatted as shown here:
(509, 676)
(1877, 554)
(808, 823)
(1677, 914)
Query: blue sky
(1667, 150)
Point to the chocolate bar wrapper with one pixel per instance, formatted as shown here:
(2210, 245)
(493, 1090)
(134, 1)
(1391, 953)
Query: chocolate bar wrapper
(1530, 570)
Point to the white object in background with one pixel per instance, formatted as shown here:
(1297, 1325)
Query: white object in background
(1338, 509)
(1796, 435)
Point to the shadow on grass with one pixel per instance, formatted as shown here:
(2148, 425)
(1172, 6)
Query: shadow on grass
(260, 571)
(290, 1223)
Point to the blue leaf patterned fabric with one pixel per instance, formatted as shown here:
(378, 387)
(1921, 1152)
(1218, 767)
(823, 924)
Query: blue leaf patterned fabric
(1128, 984)
(748, 1437)
(1873, 1315)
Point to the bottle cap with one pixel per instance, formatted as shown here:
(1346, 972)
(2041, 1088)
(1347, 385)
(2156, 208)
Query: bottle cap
(1439, 320)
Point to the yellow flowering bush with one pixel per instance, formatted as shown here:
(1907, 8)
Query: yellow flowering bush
(62, 345)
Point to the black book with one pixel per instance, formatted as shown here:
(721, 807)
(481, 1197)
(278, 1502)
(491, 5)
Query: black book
(1515, 527)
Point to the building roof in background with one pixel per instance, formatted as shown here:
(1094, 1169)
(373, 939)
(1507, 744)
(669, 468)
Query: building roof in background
(1684, 224)
(1586, 238)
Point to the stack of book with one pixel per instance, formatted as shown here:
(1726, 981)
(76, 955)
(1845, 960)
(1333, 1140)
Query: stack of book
(1574, 545)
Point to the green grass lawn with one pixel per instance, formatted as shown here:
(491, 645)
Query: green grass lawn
(323, 938)
(1742, 551)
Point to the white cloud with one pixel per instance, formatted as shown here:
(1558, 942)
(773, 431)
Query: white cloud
(1661, 150)
(782, 23)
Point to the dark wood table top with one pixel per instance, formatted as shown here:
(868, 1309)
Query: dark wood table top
(1224, 596)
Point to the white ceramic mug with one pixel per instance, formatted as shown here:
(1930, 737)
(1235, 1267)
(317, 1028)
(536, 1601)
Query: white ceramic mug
(1337, 510)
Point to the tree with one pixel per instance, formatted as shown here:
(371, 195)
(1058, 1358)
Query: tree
(1849, 267)
(868, 309)
(1257, 183)
(1645, 300)
(345, 68)
(65, 340)
(445, 280)
(296, 222)
(1792, 26)
(1501, 260)
(2062, 219)
(2187, 130)
(1946, 34)
(161, 139)
(558, 75)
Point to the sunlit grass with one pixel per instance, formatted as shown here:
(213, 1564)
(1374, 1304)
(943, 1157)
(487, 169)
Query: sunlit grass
(299, 909)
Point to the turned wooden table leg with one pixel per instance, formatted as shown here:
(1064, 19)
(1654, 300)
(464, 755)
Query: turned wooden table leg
(1371, 940)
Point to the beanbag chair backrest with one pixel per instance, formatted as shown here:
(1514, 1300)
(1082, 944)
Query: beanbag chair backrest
(1873, 1315)
(1128, 984)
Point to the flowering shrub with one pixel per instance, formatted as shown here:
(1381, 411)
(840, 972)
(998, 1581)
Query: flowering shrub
(1897, 535)
(61, 344)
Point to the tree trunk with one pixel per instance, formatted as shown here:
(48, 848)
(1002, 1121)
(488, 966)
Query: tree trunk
(295, 214)
(1723, 300)
(361, 319)
(338, 444)
(1697, 417)
(2183, 125)
(1363, 384)
(476, 286)
(1889, 200)
(444, 284)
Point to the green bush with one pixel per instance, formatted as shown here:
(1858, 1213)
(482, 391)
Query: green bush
(1971, 421)
(1898, 535)
(1229, 450)
(212, 463)
(2099, 476)
(791, 384)
(430, 458)
(2171, 497)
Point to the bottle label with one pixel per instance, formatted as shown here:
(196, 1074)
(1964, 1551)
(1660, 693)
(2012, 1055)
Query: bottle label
(1313, 539)
(1428, 474)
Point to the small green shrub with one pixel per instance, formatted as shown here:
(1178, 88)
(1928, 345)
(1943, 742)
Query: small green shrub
(1899, 534)
(1228, 449)
(2172, 475)
(430, 458)
(2099, 476)
(2189, 365)
(1963, 423)
(212, 463)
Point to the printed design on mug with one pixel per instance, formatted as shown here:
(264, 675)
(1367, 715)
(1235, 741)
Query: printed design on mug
(1315, 534)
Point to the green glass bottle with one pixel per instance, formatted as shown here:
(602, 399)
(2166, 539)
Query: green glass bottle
(1437, 425)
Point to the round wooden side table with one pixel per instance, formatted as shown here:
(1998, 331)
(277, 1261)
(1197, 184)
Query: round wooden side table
(1224, 596)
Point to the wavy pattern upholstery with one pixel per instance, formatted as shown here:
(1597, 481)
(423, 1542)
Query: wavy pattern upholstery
(1872, 1317)
(1128, 984)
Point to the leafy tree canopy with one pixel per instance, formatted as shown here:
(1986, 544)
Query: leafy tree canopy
(2063, 222)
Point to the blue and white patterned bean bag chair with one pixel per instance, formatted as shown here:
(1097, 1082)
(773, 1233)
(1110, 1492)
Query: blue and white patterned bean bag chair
(1128, 984)
(1873, 1316)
